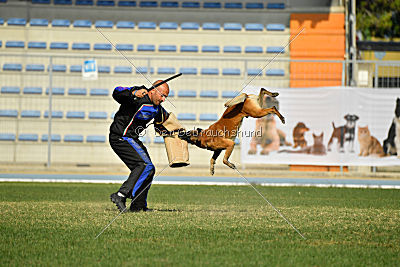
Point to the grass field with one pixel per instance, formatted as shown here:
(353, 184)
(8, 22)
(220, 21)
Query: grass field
(55, 224)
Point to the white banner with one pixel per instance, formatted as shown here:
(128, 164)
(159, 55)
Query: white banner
(89, 71)
(311, 111)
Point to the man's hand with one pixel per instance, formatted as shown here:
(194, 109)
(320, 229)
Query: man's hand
(140, 93)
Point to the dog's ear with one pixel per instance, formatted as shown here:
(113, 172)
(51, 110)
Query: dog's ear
(356, 117)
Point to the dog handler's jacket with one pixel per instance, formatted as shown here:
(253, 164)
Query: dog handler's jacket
(134, 113)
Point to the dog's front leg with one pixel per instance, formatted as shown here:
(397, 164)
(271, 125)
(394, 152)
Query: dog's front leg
(213, 159)
(228, 152)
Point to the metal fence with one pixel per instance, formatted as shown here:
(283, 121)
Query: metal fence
(46, 96)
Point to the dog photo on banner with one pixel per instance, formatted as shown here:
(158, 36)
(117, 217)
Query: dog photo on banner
(326, 126)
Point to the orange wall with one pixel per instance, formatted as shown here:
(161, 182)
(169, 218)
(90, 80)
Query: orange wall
(323, 38)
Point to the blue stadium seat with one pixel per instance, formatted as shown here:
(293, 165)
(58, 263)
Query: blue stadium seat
(99, 92)
(58, 45)
(15, 44)
(189, 48)
(253, 49)
(102, 46)
(275, 49)
(32, 90)
(54, 138)
(189, 25)
(165, 70)
(55, 91)
(39, 22)
(188, 70)
(73, 138)
(97, 115)
(209, 71)
(212, 5)
(96, 139)
(171, 93)
(148, 4)
(82, 23)
(275, 72)
(208, 117)
(75, 68)
(1, 43)
(186, 117)
(37, 45)
(254, 72)
(146, 47)
(60, 23)
(209, 93)
(77, 91)
(58, 68)
(210, 48)
(30, 114)
(124, 47)
(233, 26)
(105, 3)
(211, 26)
(234, 5)
(80, 46)
(63, 2)
(141, 69)
(125, 24)
(232, 49)
(75, 115)
(58, 114)
(34, 67)
(28, 137)
(231, 71)
(168, 25)
(127, 3)
(169, 4)
(254, 5)
(40, 1)
(229, 94)
(147, 25)
(254, 27)
(158, 140)
(84, 2)
(187, 93)
(7, 137)
(122, 69)
(190, 4)
(103, 69)
(104, 24)
(275, 27)
(167, 48)
(1, 21)
(12, 67)
(10, 90)
(276, 5)
(8, 113)
(112, 115)
(16, 22)
(237, 141)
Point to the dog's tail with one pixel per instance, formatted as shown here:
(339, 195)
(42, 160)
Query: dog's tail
(333, 124)
(192, 137)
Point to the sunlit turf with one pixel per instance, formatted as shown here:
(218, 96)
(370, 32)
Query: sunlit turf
(56, 224)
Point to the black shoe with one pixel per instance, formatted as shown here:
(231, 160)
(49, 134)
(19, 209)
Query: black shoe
(139, 209)
(118, 201)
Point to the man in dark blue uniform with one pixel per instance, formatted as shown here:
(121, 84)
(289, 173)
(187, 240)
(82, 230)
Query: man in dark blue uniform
(138, 108)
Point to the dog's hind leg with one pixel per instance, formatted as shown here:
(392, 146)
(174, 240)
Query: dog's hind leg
(213, 159)
(251, 108)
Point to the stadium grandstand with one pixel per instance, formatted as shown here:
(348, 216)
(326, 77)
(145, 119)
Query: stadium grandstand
(217, 45)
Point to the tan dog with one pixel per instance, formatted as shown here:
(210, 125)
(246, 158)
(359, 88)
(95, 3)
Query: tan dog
(221, 135)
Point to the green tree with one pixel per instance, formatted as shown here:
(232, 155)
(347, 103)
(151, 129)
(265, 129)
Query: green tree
(378, 18)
